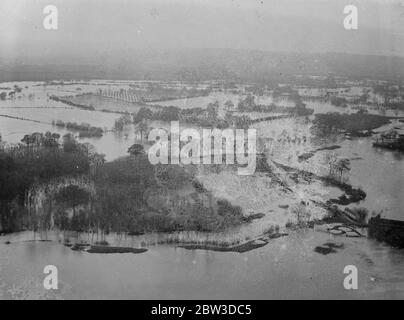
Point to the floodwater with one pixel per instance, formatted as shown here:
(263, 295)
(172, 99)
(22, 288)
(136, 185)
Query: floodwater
(379, 172)
(286, 268)
(40, 108)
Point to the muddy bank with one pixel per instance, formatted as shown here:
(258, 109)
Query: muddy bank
(105, 249)
(241, 248)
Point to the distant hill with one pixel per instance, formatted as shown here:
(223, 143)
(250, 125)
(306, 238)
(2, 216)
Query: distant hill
(206, 64)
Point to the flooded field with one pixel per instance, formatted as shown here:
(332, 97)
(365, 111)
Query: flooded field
(285, 268)
(227, 150)
(368, 165)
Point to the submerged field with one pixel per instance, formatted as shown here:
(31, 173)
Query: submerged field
(283, 141)
(199, 230)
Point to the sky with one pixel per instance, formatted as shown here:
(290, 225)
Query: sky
(87, 28)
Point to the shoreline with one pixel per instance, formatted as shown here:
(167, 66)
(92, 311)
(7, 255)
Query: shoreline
(241, 248)
(124, 243)
(78, 241)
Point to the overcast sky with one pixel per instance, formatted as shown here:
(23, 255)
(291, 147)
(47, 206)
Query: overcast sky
(91, 27)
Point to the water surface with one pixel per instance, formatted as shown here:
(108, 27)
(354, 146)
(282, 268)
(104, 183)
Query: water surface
(287, 268)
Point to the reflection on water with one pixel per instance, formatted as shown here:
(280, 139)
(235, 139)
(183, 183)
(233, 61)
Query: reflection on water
(286, 268)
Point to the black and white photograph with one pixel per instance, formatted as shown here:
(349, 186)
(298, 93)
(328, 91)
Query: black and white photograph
(192, 150)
